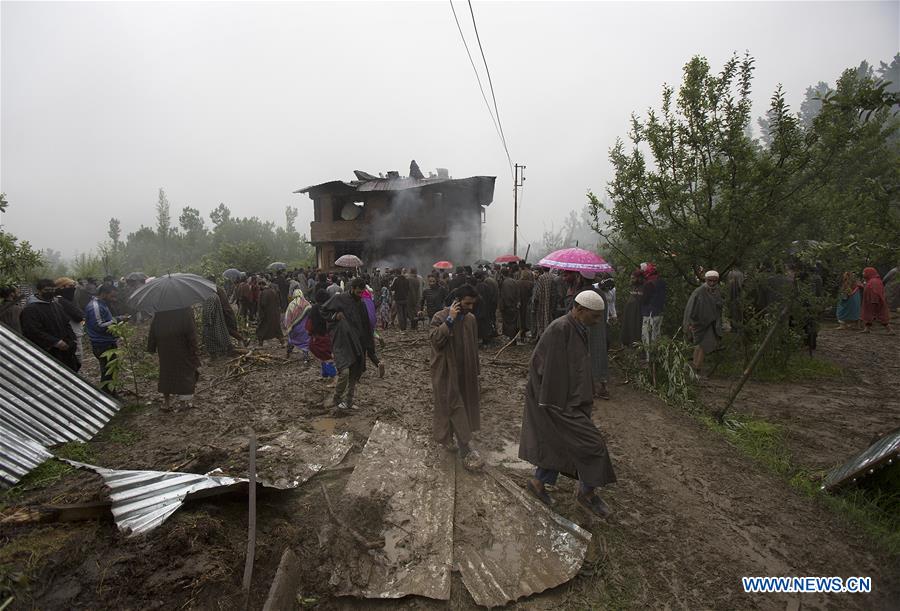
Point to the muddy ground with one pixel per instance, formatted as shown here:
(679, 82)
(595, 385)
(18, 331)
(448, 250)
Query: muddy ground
(692, 514)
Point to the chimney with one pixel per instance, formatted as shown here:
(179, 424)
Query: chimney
(393, 174)
(443, 173)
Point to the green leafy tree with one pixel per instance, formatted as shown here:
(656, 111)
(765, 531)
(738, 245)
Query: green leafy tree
(115, 232)
(17, 258)
(163, 219)
(220, 215)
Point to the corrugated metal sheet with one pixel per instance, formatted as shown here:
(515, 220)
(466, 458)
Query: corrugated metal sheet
(42, 403)
(142, 500)
(507, 544)
(880, 454)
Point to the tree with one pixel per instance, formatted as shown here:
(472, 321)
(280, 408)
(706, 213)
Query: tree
(191, 222)
(812, 103)
(17, 259)
(114, 232)
(290, 218)
(220, 215)
(163, 220)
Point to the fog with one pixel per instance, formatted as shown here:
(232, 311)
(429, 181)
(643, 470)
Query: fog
(104, 103)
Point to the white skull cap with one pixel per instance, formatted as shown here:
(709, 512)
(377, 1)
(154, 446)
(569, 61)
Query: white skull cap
(590, 300)
(711, 274)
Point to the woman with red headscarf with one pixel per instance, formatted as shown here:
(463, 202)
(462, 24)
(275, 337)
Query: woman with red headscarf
(874, 305)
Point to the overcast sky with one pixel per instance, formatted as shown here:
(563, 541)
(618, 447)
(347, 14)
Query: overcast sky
(104, 103)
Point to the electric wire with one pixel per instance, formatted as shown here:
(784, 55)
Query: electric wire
(490, 82)
(480, 86)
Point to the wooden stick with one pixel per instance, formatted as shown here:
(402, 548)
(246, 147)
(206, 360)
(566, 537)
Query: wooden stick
(720, 415)
(510, 343)
(251, 522)
(353, 532)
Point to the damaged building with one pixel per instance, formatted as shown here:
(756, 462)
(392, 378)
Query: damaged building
(393, 220)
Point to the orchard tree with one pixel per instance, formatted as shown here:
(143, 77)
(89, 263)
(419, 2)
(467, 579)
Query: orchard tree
(17, 258)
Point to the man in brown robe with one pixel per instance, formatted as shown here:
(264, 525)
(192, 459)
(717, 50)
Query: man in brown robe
(268, 325)
(558, 435)
(454, 375)
(526, 288)
(509, 304)
(173, 337)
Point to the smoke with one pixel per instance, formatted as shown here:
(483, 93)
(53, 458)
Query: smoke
(418, 227)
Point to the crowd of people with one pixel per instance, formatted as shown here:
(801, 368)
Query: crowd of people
(338, 319)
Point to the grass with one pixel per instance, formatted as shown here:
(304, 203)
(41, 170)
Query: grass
(48, 472)
(874, 511)
(728, 362)
(118, 434)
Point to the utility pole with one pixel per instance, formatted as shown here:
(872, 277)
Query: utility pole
(517, 184)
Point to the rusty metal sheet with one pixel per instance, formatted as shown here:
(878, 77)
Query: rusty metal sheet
(508, 545)
(44, 403)
(293, 457)
(414, 482)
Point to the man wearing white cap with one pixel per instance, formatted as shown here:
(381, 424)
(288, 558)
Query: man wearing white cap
(558, 434)
(703, 318)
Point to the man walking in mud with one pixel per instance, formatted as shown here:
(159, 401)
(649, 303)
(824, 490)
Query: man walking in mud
(558, 434)
(352, 339)
(454, 376)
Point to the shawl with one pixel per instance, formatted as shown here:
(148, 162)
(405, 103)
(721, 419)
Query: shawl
(296, 310)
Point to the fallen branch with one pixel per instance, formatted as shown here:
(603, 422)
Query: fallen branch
(510, 343)
(350, 530)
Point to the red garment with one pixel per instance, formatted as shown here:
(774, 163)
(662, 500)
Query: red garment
(874, 305)
(319, 345)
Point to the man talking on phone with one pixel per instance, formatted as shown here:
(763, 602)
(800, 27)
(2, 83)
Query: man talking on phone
(454, 376)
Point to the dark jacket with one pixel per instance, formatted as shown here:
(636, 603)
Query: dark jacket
(45, 323)
(433, 300)
(10, 312)
(351, 338)
(400, 289)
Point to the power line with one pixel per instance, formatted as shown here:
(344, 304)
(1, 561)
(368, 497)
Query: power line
(478, 78)
(490, 82)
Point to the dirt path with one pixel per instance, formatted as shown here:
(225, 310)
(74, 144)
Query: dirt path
(692, 515)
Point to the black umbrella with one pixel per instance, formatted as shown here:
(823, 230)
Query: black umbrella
(172, 292)
(277, 265)
(232, 274)
(141, 276)
(482, 262)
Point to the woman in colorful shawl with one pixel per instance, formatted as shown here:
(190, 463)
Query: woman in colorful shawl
(874, 305)
(384, 310)
(294, 323)
(849, 301)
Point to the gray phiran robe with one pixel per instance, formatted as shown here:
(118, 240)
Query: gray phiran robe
(216, 341)
(454, 377)
(704, 312)
(557, 430)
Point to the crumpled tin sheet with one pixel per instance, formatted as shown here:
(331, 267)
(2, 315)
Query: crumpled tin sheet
(42, 403)
(142, 500)
(884, 451)
(293, 457)
(417, 480)
(507, 544)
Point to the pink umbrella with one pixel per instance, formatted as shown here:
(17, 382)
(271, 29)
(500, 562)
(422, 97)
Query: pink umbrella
(576, 260)
(507, 259)
(443, 265)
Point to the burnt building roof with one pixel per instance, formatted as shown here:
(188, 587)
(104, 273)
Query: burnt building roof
(482, 185)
